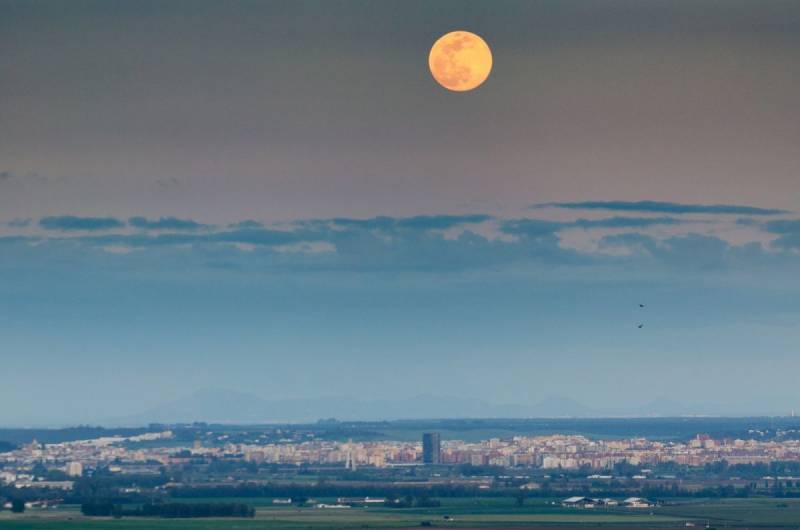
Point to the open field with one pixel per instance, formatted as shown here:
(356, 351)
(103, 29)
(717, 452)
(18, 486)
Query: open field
(467, 512)
(739, 512)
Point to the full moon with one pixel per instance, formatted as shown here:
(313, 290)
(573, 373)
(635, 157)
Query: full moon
(460, 61)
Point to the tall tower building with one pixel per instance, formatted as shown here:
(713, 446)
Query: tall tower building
(431, 448)
(350, 463)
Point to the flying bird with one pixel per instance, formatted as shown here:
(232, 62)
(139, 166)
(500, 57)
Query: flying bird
(640, 326)
(641, 305)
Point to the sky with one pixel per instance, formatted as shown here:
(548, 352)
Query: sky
(277, 198)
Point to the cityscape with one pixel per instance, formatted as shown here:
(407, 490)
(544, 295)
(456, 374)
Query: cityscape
(358, 264)
(257, 471)
(556, 452)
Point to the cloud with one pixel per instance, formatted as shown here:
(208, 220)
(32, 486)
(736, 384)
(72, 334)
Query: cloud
(625, 222)
(788, 231)
(19, 223)
(697, 252)
(16, 240)
(530, 227)
(663, 207)
(248, 223)
(630, 242)
(420, 222)
(783, 226)
(379, 244)
(257, 237)
(265, 237)
(167, 223)
(67, 223)
(421, 243)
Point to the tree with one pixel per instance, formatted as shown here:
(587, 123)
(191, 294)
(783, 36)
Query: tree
(424, 501)
(300, 500)
(520, 498)
(17, 506)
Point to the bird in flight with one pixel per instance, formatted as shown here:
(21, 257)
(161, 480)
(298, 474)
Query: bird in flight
(641, 305)
(640, 326)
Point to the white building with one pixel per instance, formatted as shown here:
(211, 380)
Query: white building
(74, 469)
(637, 502)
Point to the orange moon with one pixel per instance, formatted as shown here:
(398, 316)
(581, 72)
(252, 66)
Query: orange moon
(460, 61)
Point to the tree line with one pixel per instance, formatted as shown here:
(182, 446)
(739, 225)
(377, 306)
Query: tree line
(171, 510)
(296, 491)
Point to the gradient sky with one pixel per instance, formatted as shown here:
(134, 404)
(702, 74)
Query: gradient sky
(277, 198)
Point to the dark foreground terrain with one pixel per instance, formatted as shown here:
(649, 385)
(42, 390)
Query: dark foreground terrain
(462, 513)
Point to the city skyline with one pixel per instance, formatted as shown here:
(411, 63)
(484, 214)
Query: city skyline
(547, 452)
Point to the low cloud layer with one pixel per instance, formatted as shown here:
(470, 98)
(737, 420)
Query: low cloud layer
(434, 242)
(69, 223)
(663, 207)
(167, 223)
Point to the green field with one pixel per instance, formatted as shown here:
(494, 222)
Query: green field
(466, 512)
(740, 512)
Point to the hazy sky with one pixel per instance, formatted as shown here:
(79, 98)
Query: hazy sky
(276, 197)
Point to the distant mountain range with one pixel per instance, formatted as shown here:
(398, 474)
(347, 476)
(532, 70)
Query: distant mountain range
(227, 406)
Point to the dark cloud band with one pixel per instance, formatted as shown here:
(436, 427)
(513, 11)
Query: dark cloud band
(167, 223)
(663, 207)
(66, 223)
